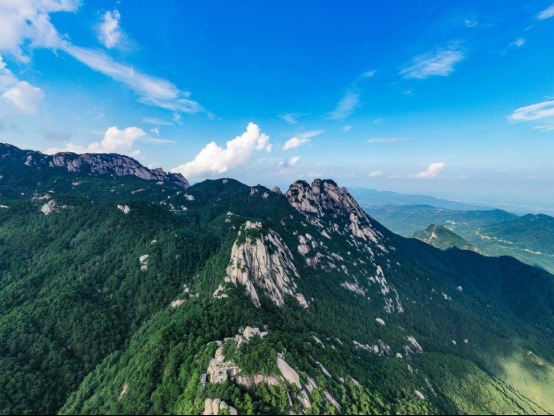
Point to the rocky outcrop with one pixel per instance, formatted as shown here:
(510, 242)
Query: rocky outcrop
(220, 369)
(261, 261)
(51, 207)
(288, 372)
(214, 406)
(333, 209)
(124, 208)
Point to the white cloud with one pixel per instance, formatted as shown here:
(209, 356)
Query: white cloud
(294, 160)
(290, 118)
(431, 172)
(294, 143)
(24, 97)
(18, 94)
(109, 32)
(546, 13)
(346, 106)
(301, 139)
(346, 129)
(533, 112)
(388, 140)
(290, 162)
(156, 121)
(25, 24)
(545, 127)
(439, 63)
(351, 98)
(376, 174)
(364, 75)
(155, 91)
(471, 22)
(114, 141)
(517, 43)
(28, 21)
(214, 159)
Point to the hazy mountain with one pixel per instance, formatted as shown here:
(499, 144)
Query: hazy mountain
(370, 197)
(441, 237)
(129, 295)
(406, 220)
(494, 233)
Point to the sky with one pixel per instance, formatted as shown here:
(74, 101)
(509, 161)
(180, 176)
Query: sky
(449, 98)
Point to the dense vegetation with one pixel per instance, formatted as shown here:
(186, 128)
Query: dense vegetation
(529, 238)
(86, 327)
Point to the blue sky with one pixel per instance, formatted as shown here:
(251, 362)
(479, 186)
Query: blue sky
(450, 98)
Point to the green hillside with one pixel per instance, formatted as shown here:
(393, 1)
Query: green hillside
(441, 237)
(494, 233)
(172, 299)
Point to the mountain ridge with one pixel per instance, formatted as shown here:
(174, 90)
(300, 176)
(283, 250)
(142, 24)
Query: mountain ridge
(115, 291)
(94, 163)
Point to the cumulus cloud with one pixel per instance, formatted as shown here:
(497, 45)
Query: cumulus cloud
(19, 94)
(388, 140)
(533, 112)
(546, 13)
(24, 97)
(114, 141)
(439, 63)
(109, 31)
(26, 24)
(301, 139)
(376, 174)
(214, 159)
(431, 172)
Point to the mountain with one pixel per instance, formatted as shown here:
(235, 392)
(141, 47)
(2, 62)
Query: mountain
(25, 172)
(370, 197)
(408, 219)
(441, 237)
(224, 298)
(494, 233)
(535, 232)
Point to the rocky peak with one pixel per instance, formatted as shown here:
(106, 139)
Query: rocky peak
(322, 196)
(90, 163)
(324, 202)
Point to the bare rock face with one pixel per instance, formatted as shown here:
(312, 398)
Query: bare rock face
(261, 261)
(214, 406)
(117, 165)
(333, 209)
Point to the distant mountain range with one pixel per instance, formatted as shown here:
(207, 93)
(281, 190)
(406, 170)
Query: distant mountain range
(126, 291)
(371, 197)
(529, 238)
(443, 238)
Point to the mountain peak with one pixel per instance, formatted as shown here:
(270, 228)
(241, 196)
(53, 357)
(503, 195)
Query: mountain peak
(91, 163)
(324, 198)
